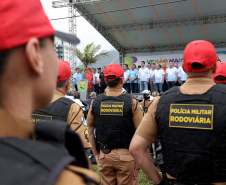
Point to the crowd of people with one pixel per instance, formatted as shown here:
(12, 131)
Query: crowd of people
(96, 81)
(152, 77)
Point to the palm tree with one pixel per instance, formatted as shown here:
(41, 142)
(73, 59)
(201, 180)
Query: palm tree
(90, 54)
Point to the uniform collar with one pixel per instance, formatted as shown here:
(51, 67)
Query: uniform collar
(12, 126)
(57, 95)
(114, 92)
(197, 85)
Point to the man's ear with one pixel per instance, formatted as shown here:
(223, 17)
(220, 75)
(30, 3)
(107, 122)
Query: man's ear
(32, 51)
(183, 66)
(214, 68)
(68, 85)
(122, 80)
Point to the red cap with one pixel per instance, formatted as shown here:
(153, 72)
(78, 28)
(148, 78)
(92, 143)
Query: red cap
(201, 52)
(64, 71)
(88, 68)
(22, 20)
(113, 70)
(221, 71)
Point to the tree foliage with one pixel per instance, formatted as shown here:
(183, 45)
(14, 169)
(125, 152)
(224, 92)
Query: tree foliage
(91, 54)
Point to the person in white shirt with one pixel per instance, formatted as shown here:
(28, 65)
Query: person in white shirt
(144, 76)
(126, 83)
(177, 74)
(182, 76)
(171, 75)
(152, 85)
(158, 78)
(95, 80)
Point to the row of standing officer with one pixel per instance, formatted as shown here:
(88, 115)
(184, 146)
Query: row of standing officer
(189, 121)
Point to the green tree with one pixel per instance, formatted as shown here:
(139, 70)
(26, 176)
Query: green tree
(90, 54)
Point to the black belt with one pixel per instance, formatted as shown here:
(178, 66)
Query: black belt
(176, 182)
(107, 148)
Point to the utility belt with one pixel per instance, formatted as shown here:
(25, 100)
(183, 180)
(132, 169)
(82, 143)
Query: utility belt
(175, 182)
(106, 149)
(166, 181)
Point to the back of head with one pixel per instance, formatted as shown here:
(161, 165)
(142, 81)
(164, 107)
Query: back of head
(64, 74)
(76, 95)
(200, 59)
(114, 75)
(220, 75)
(93, 95)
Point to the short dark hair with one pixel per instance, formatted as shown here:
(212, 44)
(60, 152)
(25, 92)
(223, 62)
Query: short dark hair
(126, 65)
(114, 82)
(62, 83)
(99, 68)
(153, 64)
(220, 78)
(143, 62)
(134, 65)
(76, 95)
(77, 69)
(197, 66)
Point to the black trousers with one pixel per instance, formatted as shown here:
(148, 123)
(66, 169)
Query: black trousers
(76, 87)
(127, 87)
(134, 87)
(102, 88)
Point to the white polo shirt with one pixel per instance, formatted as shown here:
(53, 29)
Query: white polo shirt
(144, 74)
(182, 74)
(158, 73)
(126, 74)
(171, 74)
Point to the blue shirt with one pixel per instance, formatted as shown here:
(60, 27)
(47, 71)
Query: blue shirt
(89, 101)
(79, 76)
(133, 74)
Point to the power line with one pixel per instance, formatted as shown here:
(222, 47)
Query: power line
(118, 10)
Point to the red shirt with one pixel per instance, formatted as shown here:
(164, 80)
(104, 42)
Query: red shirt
(90, 81)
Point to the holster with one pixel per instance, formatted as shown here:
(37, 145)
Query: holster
(105, 148)
(97, 146)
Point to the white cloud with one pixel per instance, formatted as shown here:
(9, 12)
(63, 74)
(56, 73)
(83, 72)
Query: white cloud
(85, 31)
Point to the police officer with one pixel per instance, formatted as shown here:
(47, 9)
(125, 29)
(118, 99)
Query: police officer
(220, 75)
(115, 116)
(190, 123)
(65, 109)
(147, 100)
(31, 154)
